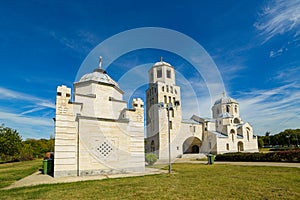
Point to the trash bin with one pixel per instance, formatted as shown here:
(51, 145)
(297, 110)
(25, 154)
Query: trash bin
(48, 166)
(45, 166)
(211, 159)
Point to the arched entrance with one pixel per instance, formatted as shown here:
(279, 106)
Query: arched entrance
(191, 145)
(240, 146)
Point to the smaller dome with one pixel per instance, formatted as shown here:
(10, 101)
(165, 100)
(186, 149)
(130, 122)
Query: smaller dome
(98, 75)
(225, 100)
(161, 63)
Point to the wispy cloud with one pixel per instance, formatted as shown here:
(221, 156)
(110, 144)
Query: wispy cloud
(10, 94)
(279, 17)
(79, 41)
(271, 110)
(278, 52)
(26, 113)
(288, 75)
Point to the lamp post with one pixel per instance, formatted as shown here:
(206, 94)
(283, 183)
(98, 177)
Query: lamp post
(288, 137)
(169, 107)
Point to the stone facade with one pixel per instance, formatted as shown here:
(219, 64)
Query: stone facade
(95, 133)
(225, 132)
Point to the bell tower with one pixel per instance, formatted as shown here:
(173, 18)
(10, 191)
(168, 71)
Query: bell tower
(162, 88)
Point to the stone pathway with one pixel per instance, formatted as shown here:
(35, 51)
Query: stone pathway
(38, 178)
(271, 164)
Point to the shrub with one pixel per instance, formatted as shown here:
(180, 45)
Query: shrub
(278, 156)
(150, 158)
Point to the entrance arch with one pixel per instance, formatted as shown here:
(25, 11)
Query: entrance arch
(191, 145)
(240, 146)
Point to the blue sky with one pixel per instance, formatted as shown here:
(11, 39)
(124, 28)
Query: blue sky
(254, 44)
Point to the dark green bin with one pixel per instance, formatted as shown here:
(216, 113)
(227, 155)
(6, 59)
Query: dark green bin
(211, 159)
(48, 166)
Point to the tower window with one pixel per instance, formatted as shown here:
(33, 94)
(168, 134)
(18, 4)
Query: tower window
(168, 73)
(170, 100)
(227, 108)
(167, 88)
(175, 91)
(171, 89)
(165, 99)
(170, 124)
(163, 88)
(159, 73)
(235, 108)
(172, 111)
(227, 147)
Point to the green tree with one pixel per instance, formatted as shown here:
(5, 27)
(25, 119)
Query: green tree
(10, 143)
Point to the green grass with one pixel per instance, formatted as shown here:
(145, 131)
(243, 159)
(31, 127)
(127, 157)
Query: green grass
(11, 172)
(191, 181)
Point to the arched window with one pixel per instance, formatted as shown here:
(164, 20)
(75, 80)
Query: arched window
(235, 109)
(227, 108)
(236, 121)
(227, 147)
(163, 88)
(167, 88)
(248, 133)
(232, 134)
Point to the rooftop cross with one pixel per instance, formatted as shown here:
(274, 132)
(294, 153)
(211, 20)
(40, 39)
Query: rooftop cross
(224, 94)
(100, 62)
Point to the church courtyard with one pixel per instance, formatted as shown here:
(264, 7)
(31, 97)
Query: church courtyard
(189, 181)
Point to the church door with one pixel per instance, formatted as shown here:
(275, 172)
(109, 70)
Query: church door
(195, 149)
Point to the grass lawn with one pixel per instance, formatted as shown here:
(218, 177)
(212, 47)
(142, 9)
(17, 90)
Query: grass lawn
(190, 181)
(11, 172)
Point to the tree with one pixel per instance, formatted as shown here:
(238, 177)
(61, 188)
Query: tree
(10, 143)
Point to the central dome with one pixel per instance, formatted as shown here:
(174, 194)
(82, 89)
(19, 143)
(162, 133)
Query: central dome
(98, 75)
(225, 100)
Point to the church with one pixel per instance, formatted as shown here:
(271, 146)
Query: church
(95, 132)
(223, 133)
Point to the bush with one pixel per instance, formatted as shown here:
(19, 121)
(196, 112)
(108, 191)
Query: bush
(150, 158)
(278, 156)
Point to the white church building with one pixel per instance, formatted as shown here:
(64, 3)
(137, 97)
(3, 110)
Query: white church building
(95, 132)
(224, 132)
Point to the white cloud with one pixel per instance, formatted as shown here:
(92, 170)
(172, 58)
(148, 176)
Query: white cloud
(27, 114)
(279, 17)
(271, 110)
(278, 52)
(10, 94)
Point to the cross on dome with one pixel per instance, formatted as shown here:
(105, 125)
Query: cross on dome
(100, 62)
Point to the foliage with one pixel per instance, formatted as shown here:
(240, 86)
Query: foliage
(150, 158)
(191, 181)
(12, 148)
(11, 172)
(279, 156)
(285, 138)
(10, 143)
(40, 147)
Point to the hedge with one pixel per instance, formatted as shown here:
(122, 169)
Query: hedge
(278, 156)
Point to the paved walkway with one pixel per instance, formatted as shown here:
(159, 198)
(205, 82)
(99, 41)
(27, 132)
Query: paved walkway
(38, 178)
(270, 164)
